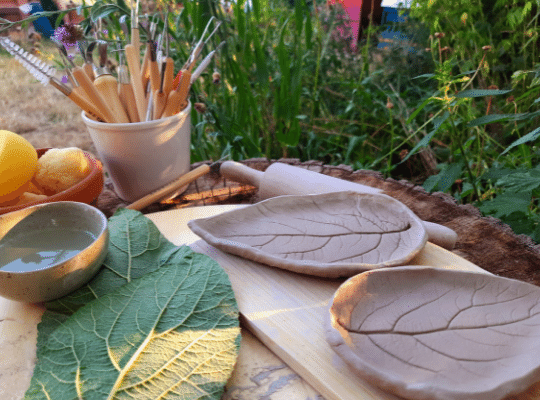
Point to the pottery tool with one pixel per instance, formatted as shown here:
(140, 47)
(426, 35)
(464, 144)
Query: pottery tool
(160, 97)
(125, 92)
(107, 86)
(168, 73)
(177, 99)
(135, 40)
(150, 108)
(282, 179)
(200, 45)
(174, 186)
(153, 68)
(89, 61)
(145, 72)
(204, 63)
(87, 89)
(45, 74)
(135, 76)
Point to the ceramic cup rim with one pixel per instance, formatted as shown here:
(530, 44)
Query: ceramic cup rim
(135, 125)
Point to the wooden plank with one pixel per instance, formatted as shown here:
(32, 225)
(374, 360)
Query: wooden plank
(288, 311)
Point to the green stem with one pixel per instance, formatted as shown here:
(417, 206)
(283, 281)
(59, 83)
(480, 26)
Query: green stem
(457, 137)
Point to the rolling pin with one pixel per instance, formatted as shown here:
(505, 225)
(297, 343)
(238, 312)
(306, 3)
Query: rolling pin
(283, 179)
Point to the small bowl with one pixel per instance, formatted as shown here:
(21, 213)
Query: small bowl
(73, 237)
(86, 191)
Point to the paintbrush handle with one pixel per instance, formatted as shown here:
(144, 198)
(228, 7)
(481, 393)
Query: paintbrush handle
(87, 67)
(107, 86)
(171, 187)
(127, 97)
(135, 74)
(94, 96)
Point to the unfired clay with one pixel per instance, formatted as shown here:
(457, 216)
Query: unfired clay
(330, 235)
(426, 333)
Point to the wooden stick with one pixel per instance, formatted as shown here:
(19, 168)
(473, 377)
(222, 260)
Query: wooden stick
(170, 188)
(93, 95)
(135, 72)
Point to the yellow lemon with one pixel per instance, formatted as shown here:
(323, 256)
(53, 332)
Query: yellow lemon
(18, 164)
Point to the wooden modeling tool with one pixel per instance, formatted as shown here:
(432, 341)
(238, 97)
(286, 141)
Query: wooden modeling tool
(45, 74)
(169, 62)
(89, 66)
(174, 186)
(84, 88)
(107, 86)
(160, 97)
(145, 71)
(204, 64)
(125, 92)
(282, 179)
(135, 39)
(178, 96)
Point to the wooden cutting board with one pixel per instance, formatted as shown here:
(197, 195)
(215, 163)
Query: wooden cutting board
(286, 311)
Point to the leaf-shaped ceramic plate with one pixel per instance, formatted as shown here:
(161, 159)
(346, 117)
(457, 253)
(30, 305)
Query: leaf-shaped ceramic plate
(426, 333)
(329, 235)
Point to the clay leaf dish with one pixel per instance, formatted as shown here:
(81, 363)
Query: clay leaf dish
(426, 333)
(329, 235)
(86, 191)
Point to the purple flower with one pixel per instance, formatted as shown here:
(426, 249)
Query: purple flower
(64, 79)
(68, 34)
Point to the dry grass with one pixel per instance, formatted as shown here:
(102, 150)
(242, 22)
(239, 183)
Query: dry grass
(40, 113)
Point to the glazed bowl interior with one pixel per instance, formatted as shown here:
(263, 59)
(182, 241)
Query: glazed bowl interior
(49, 250)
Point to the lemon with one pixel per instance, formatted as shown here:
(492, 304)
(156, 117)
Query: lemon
(18, 164)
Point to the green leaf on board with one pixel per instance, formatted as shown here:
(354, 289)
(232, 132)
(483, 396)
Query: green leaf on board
(166, 328)
(481, 93)
(507, 203)
(173, 333)
(529, 137)
(136, 247)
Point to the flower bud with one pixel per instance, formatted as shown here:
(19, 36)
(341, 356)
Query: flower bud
(389, 104)
(200, 107)
(439, 35)
(445, 49)
(486, 48)
(216, 78)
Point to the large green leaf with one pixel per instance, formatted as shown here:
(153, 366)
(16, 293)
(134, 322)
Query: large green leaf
(171, 334)
(136, 247)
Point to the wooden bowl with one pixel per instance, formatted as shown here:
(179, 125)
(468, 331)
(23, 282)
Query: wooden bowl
(86, 191)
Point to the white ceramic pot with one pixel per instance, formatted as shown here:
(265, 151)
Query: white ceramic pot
(144, 156)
